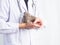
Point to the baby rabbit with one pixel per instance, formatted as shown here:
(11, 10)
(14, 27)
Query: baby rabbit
(27, 18)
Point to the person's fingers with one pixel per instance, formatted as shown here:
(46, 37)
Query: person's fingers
(35, 21)
(39, 23)
(36, 25)
(33, 25)
(30, 25)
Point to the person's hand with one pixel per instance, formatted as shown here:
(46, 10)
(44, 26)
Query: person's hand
(26, 25)
(38, 23)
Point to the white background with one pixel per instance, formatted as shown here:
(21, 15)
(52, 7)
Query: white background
(50, 14)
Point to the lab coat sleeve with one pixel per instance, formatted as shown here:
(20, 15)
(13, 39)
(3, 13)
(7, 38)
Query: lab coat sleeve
(6, 26)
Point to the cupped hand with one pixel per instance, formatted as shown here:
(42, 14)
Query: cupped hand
(38, 22)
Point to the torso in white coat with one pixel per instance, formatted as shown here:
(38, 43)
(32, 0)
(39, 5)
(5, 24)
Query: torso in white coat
(10, 16)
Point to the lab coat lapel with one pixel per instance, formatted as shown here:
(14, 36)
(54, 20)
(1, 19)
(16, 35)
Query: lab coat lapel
(23, 5)
(30, 8)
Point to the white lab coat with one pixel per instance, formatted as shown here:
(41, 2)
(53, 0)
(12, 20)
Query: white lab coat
(10, 16)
